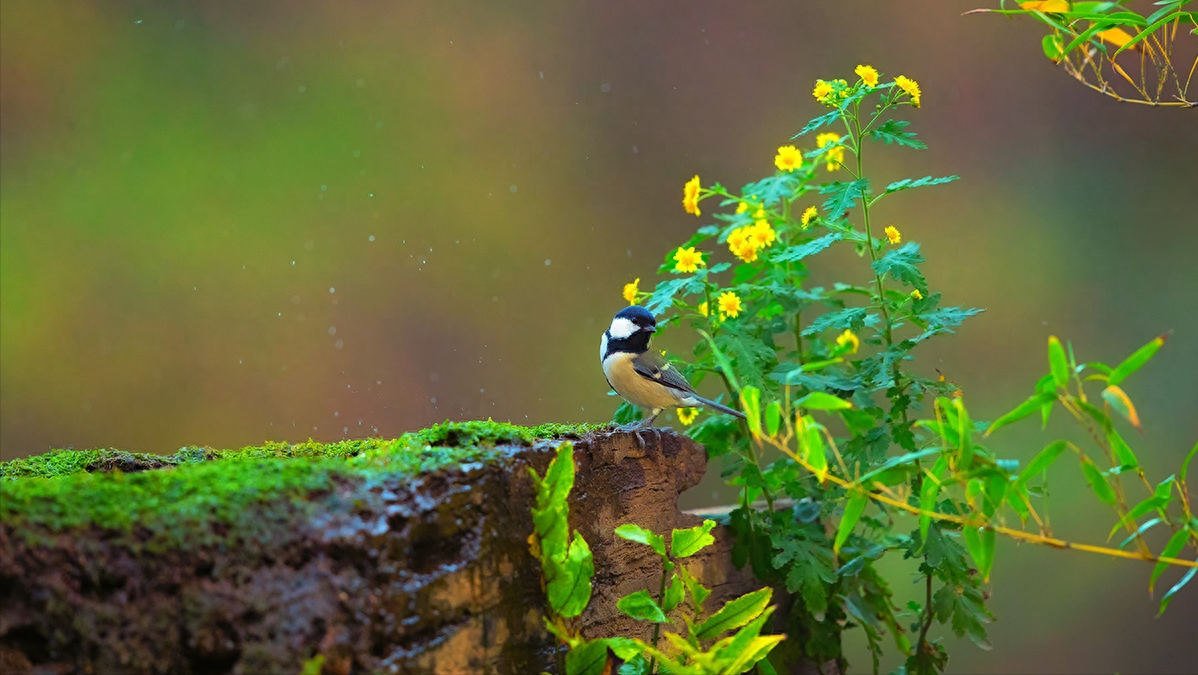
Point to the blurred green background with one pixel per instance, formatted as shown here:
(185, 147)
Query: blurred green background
(222, 223)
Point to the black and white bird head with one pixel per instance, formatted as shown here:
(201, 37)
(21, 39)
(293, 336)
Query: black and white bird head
(629, 331)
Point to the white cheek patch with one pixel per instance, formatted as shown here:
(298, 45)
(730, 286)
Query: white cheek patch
(621, 328)
(603, 347)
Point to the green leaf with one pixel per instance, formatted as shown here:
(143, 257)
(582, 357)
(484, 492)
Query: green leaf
(980, 543)
(663, 295)
(805, 250)
(1118, 399)
(687, 542)
(735, 613)
(909, 458)
(742, 650)
(1053, 47)
(722, 360)
(1138, 511)
(964, 435)
(1058, 363)
(852, 512)
(811, 447)
(927, 496)
(1185, 466)
(1133, 363)
(588, 658)
(818, 400)
(821, 121)
(773, 418)
(902, 264)
(569, 585)
(698, 592)
(1148, 525)
(674, 594)
(750, 399)
(1168, 597)
(753, 653)
(853, 318)
(891, 131)
(634, 532)
(640, 606)
(1172, 548)
(1022, 410)
(908, 183)
(1098, 482)
(843, 197)
(313, 666)
(1123, 453)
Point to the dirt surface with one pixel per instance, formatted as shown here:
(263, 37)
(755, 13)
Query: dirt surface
(389, 574)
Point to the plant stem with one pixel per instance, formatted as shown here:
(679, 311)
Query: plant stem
(661, 593)
(927, 612)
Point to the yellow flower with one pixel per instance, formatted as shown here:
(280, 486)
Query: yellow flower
(742, 244)
(834, 156)
(868, 75)
(846, 338)
(687, 415)
(746, 251)
(703, 308)
(916, 294)
(742, 207)
(808, 216)
(687, 260)
(759, 214)
(822, 91)
(729, 304)
(910, 86)
(630, 291)
(690, 196)
(788, 158)
(763, 234)
(893, 234)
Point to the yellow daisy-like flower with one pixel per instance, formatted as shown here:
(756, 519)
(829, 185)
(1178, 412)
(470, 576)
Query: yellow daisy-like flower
(746, 251)
(868, 75)
(808, 216)
(687, 415)
(690, 196)
(743, 244)
(848, 338)
(822, 91)
(703, 308)
(893, 234)
(834, 156)
(910, 86)
(788, 158)
(687, 260)
(916, 294)
(763, 233)
(729, 304)
(742, 207)
(760, 213)
(630, 291)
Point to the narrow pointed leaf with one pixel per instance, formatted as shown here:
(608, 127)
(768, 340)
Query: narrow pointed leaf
(1098, 482)
(1057, 362)
(1023, 410)
(1138, 358)
(1172, 548)
(1042, 461)
(750, 399)
(735, 613)
(1118, 399)
(1168, 597)
(852, 512)
(773, 418)
(818, 400)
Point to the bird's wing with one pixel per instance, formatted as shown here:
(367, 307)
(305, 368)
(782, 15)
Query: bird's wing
(654, 366)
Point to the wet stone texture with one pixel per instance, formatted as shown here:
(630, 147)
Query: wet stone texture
(392, 574)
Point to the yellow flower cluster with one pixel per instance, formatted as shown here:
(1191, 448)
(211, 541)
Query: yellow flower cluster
(829, 93)
(848, 340)
(687, 260)
(910, 86)
(916, 294)
(745, 242)
(687, 415)
(834, 156)
(630, 291)
(729, 304)
(690, 196)
(893, 234)
(868, 75)
(788, 158)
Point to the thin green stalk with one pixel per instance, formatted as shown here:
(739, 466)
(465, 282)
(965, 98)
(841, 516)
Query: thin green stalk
(661, 593)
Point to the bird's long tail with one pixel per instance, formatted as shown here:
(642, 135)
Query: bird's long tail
(721, 408)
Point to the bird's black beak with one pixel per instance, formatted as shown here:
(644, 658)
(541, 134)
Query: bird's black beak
(649, 329)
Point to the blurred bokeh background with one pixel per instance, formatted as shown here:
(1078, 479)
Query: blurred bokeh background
(222, 223)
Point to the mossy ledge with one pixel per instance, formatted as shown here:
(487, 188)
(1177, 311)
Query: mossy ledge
(203, 487)
(373, 556)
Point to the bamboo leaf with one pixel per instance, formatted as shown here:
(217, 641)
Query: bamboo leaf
(1042, 461)
(1098, 482)
(1176, 587)
(818, 400)
(1118, 399)
(1172, 548)
(1057, 362)
(852, 512)
(1023, 410)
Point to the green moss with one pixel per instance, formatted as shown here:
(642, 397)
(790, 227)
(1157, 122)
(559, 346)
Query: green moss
(250, 489)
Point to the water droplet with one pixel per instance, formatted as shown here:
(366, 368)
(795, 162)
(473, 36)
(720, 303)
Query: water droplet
(378, 124)
(548, 262)
(357, 153)
(332, 330)
(339, 344)
(541, 74)
(370, 238)
(433, 399)
(302, 89)
(512, 189)
(332, 290)
(605, 88)
(323, 188)
(336, 413)
(293, 262)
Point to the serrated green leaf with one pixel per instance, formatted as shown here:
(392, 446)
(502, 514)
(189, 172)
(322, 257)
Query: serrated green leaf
(891, 131)
(1022, 410)
(722, 360)
(1172, 548)
(1098, 482)
(908, 183)
(634, 532)
(821, 121)
(852, 512)
(735, 613)
(902, 265)
(687, 542)
(805, 250)
(1168, 597)
(1056, 360)
(641, 606)
(1134, 362)
(663, 294)
(843, 197)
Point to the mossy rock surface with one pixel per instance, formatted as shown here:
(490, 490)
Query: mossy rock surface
(405, 555)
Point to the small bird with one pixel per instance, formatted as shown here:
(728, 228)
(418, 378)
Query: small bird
(643, 377)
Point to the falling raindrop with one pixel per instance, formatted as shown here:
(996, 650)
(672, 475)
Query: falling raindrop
(370, 238)
(548, 262)
(332, 290)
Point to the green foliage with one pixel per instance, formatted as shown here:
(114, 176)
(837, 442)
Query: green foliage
(826, 382)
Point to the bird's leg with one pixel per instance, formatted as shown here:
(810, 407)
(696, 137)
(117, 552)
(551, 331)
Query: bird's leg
(647, 423)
